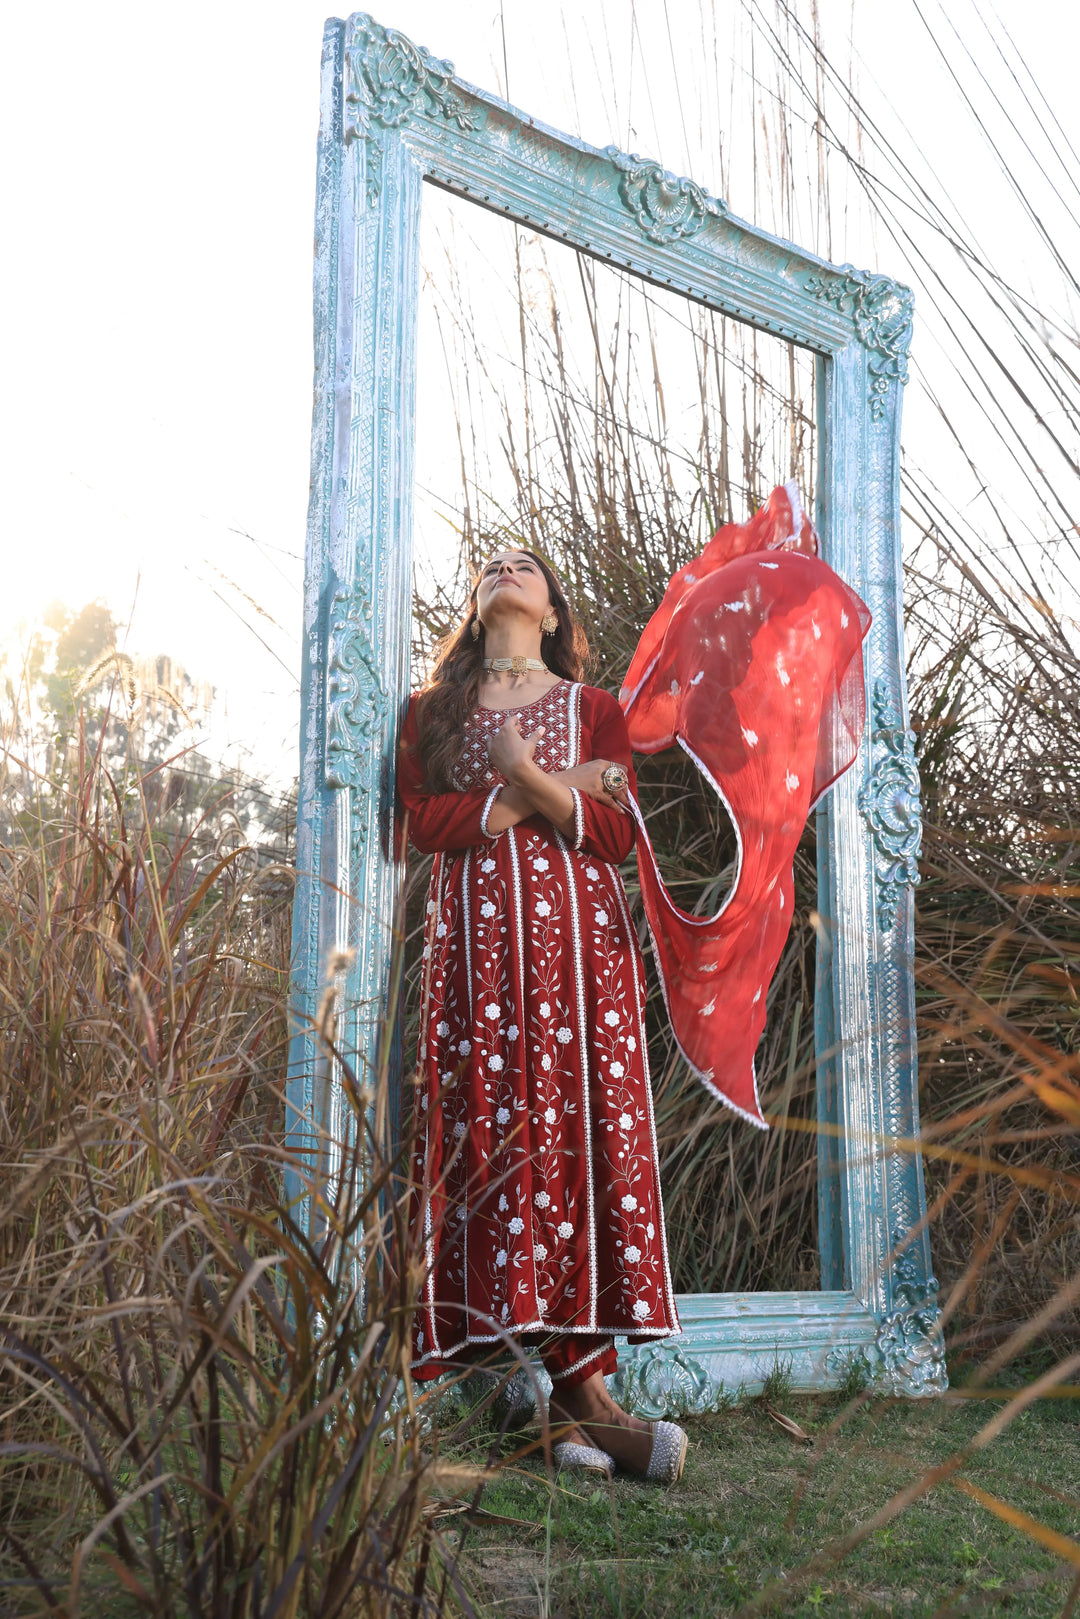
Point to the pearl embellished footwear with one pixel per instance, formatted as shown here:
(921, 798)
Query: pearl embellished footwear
(668, 1453)
(582, 1458)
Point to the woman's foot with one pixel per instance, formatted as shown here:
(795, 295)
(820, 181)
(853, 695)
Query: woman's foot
(603, 1423)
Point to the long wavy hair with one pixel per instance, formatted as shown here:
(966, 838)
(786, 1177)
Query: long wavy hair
(449, 694)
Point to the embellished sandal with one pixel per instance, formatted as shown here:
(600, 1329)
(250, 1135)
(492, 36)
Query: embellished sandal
(582, 1458)
(668, 1453)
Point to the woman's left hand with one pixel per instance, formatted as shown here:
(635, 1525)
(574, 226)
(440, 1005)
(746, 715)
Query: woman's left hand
(510, 752)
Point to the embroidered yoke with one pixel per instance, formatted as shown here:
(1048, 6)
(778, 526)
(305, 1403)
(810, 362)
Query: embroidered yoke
(535, 1140)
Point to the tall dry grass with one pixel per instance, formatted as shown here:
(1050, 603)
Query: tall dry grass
(198, 1418)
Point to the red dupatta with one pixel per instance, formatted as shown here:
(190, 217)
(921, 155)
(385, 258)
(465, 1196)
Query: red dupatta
(753, 665)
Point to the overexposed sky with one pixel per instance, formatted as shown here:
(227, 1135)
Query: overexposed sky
(157, 206)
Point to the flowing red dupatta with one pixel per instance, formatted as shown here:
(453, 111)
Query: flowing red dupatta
(753, 665)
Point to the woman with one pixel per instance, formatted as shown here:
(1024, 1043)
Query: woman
(536, 1149)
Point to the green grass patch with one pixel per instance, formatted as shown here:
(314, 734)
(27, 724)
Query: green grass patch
(753, 1508)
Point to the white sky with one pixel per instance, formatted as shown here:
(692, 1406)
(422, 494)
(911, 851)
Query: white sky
(158, 204)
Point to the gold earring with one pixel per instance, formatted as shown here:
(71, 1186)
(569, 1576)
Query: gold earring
(474, 629)
(550, 622)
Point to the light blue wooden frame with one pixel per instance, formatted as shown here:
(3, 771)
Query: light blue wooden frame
(394, 117)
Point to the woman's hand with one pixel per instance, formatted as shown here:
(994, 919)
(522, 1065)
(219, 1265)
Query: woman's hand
(588, 778)
(510, 753)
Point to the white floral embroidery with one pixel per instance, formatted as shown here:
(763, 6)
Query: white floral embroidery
(424, 1102)
(440, 931)
(792, 781)
(519, 984)
(750, 737)
(843, 620)
(442, 1029)
(431, 902)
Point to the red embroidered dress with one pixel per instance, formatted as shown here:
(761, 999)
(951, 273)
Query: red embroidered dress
(535, 1136)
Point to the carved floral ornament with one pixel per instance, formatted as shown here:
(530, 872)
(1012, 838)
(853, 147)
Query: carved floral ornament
(890, 801)
(657, 1379)
(667, 209)
(882, 311)
(356, 703)
(909, 1338)
(390, 80)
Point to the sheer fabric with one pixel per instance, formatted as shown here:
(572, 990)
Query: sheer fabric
(752, 664)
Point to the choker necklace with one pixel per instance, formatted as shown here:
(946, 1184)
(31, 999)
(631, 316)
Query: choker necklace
(517, 666)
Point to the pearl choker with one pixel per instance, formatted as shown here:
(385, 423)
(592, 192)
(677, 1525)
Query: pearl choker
(517, 666)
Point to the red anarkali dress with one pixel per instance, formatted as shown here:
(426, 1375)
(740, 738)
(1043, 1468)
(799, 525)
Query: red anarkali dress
(536, 1147)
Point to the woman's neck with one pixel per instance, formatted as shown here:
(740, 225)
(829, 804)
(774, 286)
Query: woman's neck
(511, 641)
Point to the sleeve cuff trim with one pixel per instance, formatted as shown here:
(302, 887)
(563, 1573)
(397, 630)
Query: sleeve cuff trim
(486, 811)
(579, 818)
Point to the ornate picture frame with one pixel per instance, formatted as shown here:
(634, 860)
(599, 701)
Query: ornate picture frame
(394, 118)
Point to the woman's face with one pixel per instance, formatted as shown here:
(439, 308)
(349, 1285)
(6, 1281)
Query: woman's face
(511, 583)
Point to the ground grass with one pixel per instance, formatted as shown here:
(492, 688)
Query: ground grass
(754, 1507)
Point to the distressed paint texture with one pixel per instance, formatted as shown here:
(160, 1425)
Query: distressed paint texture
(393, 117)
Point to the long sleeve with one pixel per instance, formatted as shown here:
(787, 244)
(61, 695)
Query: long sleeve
(439, 822)
(602, 830)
